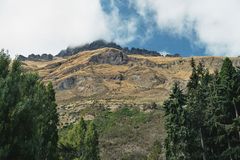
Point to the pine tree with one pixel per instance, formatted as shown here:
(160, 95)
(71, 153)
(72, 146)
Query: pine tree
(91, 151)
(4, 106)
(72, 145)
(196, 107)
(50, 134)
(214, 128)
(229, 86)
(4, 64)
(175, 125)
(192, 83)
(221, 114)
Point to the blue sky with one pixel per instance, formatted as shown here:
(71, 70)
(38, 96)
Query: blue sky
(188, 27)
(158, 40)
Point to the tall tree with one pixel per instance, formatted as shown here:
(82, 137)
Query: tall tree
(5, 90)
(229, 85)
(175, 125)
(72, 144)
(4, 64)
(28, 117)
(196, 107)
(91, 151)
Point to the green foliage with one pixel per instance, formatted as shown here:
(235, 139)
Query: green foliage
(213, 107)
(91, 151)
(196, 108)
(28, 117)
(223, 113)
(80, 142)
(107, 121)
(4, 64)
(176, 125)
(72, 142)
(127, 126)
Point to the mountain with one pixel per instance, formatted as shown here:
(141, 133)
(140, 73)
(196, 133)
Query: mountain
(93, 46)
(92, 83)
(112, 77)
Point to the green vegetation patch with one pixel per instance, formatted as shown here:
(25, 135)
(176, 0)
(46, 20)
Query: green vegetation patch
(127, 133)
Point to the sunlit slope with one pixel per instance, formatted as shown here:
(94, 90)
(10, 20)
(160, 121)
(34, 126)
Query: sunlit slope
(112, 78)
(138, 79)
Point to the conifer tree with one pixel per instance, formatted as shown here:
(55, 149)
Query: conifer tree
(175, 125)
(4, 106)
(196, 107)
(4, 64)
(91, 151)
(214, 128)
(229, 85)
(72, 145)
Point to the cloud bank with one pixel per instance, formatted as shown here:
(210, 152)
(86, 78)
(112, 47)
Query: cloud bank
(212, 23)
(39, 26)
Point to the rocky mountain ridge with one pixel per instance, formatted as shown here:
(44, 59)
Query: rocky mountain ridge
(111, 77)
(70, 51)
(103, 44)
(36, 57)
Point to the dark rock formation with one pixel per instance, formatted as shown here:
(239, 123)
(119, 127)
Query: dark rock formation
(173, 55)
(67, 83)
(141, 51)
(22, 58)
(36, 57)
(114, 57)
(88, 47)
(103, 44)
(46, 57)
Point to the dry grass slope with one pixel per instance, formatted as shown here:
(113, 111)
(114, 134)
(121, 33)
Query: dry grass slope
(80, 82)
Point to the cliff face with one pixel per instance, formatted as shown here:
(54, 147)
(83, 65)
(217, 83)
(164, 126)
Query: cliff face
(112, 77)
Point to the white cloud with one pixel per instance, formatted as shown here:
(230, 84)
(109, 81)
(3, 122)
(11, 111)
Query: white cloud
(215, 22)
(123, 30)
(39, 26)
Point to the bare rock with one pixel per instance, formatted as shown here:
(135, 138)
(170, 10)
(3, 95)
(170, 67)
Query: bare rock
(112, 56)
(67, 83)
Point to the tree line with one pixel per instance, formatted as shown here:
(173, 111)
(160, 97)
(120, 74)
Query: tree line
(203, 123)
(29, 120)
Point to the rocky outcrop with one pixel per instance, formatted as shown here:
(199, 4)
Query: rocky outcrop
(112, 56)
(173, 55)
(103, 44)
(141, 51)
(148, 79)
(88, 47)
(22, 58)
(67, 83)
(36, 57)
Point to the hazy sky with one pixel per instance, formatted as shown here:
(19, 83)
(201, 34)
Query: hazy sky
(189, 27)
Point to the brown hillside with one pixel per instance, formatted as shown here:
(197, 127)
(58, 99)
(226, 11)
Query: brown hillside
(113, 78)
